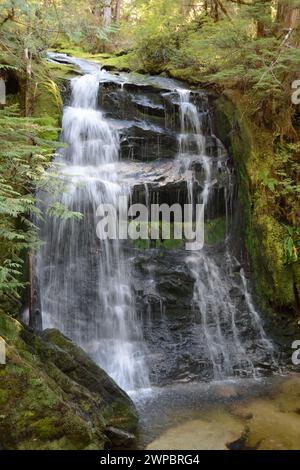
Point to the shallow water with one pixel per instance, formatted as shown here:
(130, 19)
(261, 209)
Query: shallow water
(168, 408)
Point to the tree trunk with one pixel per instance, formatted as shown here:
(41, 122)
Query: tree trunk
(107, 13)
(288, 17)
(34, 301)
(28, 76)
(214, 10)
(34, 307)
(185, 7)
(117, 12)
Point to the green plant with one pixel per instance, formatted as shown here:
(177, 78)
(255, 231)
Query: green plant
(25, 159)
(291, 244)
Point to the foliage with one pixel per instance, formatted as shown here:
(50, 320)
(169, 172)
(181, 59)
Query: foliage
(24, 158)
(245, 48)
(25, 172)
(292, 244)
(39, 25)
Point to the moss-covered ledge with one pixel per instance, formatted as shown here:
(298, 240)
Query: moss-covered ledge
(52, 396)
(47, 101)
(252, 148)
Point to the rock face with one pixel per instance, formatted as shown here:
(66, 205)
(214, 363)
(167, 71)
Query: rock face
(277, 282)
(193, 315)
(52, 396)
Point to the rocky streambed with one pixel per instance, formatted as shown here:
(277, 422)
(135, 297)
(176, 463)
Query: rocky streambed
(232, 415)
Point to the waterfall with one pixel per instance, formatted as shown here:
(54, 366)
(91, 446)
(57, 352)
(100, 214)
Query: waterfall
(86, 284)
(146, 315)
(212, 298)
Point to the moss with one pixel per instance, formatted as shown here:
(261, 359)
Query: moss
(77, 51)
(52, 396)
(124, 63)
(276, 279)
(47, 96)
(188, 74)
(45, 106)
(61, 72)
(215, 231)
(253, 150)
(9, 328)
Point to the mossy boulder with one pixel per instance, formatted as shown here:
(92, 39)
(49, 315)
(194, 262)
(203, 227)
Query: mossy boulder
(52, 395)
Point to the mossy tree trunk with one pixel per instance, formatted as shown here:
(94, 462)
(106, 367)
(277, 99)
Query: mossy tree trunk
(288, 18)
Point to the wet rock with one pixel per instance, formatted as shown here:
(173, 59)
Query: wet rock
(120, 103)
(144, 144)
(149, 105)
(226, 391)
(214, 432)
(241, 443)
(144, 88)
(273, 425)
(119, 438)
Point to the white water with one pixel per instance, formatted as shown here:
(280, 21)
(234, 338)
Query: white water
(212, 298)
(101, 318)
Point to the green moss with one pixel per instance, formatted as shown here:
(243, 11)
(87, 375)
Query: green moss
(215, 231)
(187, 74)
(253, 151)
(123, 63)
(48, 398)
(61, 72)
(48, 101)
(9, 328)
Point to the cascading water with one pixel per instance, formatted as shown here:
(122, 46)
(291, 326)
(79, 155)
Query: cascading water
(212, 298)
(154, 315)
(86, 283)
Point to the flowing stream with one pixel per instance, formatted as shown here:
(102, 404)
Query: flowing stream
(149, 315)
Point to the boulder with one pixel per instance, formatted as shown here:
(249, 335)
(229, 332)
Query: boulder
(52, 395)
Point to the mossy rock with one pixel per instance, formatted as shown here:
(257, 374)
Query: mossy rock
(52, 395)
(48, 96)
(252, 148)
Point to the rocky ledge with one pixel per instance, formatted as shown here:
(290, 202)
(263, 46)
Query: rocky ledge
(52, 395)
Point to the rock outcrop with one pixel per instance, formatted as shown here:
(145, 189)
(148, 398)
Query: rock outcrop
(52, 395)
